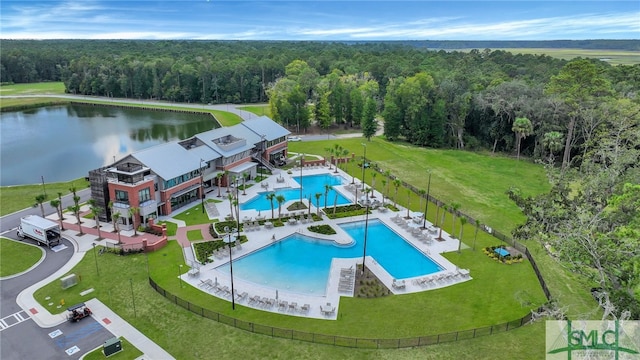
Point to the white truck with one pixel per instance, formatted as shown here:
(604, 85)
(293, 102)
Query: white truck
(44, 231)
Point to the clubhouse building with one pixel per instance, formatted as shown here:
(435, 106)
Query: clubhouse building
(158, 180)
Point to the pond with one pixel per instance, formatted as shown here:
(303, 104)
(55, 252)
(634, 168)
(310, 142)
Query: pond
(61, 143)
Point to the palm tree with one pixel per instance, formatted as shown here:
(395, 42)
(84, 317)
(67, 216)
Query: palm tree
(327, 188)
(230, 198)
(226, 174)
(335, 202)
(55, 203)
(75, 209)
(244, 183)
(133, 213)
(384, 185)
(454, 212)
(387, 174)
(39, 200)
(422, 193)
(219, 177)
(280, 199)
(318, 196)
(116, 225)
(444, 213)
(396, 184)
(463, 221)
(270, 197)
(408, 202)
(344, 154)
(95, 211)
(329, 152)
(523, 128)
(337, 150)
(475, 237)
(373, 183)
(553, 141)
(60, 206)
(309, 208)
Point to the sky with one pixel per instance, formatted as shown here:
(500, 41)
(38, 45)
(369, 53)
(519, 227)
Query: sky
(319, 20)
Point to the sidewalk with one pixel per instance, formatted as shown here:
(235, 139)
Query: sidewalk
(105, 316)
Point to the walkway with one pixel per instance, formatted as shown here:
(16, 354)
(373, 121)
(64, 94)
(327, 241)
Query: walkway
(110, 320)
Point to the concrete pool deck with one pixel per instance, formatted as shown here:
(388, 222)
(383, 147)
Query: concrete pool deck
(218, 283)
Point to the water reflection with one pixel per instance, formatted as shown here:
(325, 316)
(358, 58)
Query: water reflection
(65, 142)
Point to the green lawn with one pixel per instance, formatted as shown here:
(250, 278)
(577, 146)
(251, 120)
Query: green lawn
(407, 315)
(260, 110)
(194, 235)
(477, 181)
(16, 257)
(15, 198)
(172, 227)
(33, 88)
(128, 352)
(615, 57)
(193, 216)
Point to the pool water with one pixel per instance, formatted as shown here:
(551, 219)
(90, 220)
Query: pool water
(311, 184)
(301, 264)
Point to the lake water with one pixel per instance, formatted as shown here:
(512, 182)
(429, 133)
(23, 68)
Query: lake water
(64, 142)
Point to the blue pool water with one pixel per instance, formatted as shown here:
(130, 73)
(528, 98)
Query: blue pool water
(301, 264)
(311, 184)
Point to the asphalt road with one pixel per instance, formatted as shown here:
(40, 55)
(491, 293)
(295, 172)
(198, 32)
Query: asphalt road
(21, 338)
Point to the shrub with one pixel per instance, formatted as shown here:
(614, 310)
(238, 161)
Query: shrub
(322, 229)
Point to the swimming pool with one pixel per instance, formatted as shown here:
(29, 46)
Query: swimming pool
(301, 264)
(311, 184)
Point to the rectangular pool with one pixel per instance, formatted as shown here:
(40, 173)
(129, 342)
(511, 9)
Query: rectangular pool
(301, 264)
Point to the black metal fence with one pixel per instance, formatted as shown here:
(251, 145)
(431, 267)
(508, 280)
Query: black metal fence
(344, 341)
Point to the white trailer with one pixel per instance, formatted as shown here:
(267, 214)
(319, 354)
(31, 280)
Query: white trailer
(44, 231)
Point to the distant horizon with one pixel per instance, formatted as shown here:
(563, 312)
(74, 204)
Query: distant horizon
(319, 20)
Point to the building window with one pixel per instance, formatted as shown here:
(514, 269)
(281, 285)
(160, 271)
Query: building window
(122, 196)
(144, 195)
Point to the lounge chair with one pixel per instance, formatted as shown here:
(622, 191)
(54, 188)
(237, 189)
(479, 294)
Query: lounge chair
(305, 308)
(240, 297)
(283, 305)
(254, 299)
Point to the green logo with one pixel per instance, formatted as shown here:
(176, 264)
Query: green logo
(593, 339)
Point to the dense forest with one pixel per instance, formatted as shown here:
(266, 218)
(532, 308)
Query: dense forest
(581, 118)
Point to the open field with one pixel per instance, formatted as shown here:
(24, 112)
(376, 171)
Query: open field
(424, 313)
(18, 197)
(16, 257)
(614, 57)
(259, 110)
(33, 88)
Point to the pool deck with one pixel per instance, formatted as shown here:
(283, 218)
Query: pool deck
(340, 283)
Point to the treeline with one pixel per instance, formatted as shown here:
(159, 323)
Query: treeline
(627, 45)
(431, 98)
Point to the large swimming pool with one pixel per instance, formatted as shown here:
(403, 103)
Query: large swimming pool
(311, 184)
(301, 264)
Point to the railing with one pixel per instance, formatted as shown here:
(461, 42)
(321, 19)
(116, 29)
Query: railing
(344, 341)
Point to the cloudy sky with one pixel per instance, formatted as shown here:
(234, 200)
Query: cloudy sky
(320, 20)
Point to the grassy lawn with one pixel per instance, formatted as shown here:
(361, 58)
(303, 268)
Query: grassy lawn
(172, 227)
(128, 352)
(193, 216)
(406, 315)
(477, 181)
(194, 235)
(15, 198)
(33, 88)
(257, 109)
(16, 257)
